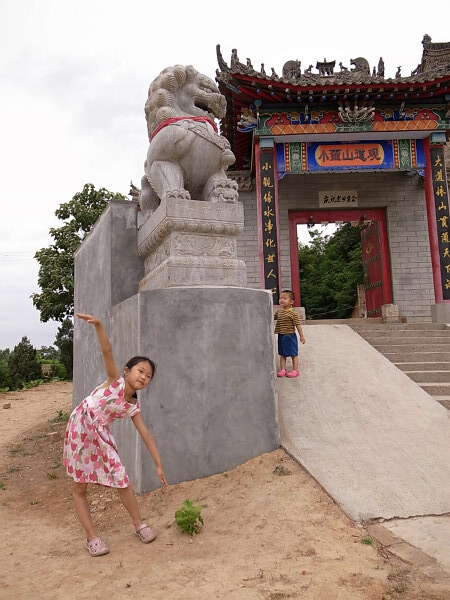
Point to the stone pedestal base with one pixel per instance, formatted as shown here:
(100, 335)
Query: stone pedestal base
(389, 313)
(440, 313)
(188, 242)
(211, 405)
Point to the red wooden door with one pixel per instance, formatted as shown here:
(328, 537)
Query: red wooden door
(372, 267)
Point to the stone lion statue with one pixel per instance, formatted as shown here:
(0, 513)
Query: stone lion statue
(187, 157)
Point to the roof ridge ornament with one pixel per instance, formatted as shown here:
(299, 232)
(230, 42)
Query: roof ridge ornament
(435, 63)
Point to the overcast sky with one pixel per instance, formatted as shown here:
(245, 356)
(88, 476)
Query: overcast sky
(74, 79)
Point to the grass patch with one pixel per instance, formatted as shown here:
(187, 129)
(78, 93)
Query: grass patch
(61, 417)
(280, 470)
(367, 540)
(17, 450)
(2, 486)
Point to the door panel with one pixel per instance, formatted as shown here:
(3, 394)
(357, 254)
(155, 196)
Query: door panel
(372, 268)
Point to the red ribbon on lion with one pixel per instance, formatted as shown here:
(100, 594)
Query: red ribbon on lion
(175, 119)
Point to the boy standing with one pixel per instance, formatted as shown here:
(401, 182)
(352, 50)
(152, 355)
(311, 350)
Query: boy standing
(287, 321)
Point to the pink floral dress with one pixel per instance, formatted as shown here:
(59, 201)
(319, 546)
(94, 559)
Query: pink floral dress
(90, 452)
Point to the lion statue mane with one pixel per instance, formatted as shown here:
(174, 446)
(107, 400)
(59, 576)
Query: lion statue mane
(187, 157)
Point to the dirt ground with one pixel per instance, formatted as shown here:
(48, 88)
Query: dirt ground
(270, 532)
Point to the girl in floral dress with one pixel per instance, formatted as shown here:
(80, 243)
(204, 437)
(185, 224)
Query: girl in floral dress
(90, 452)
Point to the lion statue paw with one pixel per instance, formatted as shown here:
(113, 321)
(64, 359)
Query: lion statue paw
(224, 191)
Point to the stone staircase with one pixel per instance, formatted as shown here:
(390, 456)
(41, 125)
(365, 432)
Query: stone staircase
(421, 350)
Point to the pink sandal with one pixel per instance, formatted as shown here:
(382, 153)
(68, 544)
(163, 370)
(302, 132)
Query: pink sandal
(293, 374)
(96, 547)
(145, 533)
(281, 373)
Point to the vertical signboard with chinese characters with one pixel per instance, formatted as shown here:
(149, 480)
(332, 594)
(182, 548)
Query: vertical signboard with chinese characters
(268, 224)
(440, 190)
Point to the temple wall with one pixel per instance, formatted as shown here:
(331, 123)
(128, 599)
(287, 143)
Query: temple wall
(404, 198)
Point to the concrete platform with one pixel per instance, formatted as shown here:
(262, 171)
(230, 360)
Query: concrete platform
(375, 441)
(430, 535)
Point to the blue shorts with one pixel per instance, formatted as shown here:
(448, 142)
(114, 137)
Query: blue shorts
(287, 344)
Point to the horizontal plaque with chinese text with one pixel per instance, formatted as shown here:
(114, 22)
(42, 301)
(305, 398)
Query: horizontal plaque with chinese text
(338, 199)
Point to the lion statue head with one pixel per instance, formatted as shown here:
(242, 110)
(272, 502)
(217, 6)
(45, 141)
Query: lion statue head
(182, 91)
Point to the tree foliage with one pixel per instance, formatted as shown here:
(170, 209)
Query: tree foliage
(56, 270)
(23, 364)
(330, 269)
(4, 371)
(64, 343)
(56, 262)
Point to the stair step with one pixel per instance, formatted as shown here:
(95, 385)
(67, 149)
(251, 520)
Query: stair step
(429, 376)
(397, 326)
(432, 336)
(444, 400)
(406, 356)
(436, 389)
(422, 366)
(419, 347)
(408, 341)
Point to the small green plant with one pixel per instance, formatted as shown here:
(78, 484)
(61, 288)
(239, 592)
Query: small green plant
(51, 475)
(61, 417)
(2, 486)
(17, 450)
(33, 502)
(366, 540)
(280, 470)
(188, 517)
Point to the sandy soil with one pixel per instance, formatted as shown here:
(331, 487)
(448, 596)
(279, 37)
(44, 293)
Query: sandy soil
(270, 531)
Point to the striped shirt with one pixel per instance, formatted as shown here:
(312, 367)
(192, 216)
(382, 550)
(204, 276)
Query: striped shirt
(286, 319)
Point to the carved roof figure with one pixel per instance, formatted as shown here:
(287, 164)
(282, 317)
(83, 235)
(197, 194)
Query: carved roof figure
(291, 68)
(434, 56)
(380, 72)
(360, 64)
(326, 68)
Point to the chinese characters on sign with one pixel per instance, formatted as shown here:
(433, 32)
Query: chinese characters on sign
(349, 155)
(440, 191)
(344, 199)
(269, 225)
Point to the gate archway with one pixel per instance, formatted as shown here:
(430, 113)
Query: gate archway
(375, 251)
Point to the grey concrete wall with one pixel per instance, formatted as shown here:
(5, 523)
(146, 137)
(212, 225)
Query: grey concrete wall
(107, 271)
(404, 199)
(211, 405)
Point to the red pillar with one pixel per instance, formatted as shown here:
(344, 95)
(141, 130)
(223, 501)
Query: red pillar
(437, 202)
(267, 217)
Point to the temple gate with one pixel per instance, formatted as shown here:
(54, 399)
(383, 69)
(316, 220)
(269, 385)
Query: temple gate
(340, 140)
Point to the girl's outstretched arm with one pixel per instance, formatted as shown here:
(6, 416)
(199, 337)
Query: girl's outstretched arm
(148, 440)
(105, 346)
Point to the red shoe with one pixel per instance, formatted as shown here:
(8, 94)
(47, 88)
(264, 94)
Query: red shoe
(281, 373)
(293, 374)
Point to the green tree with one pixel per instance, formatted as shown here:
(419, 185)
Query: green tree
(23, 364)
(56, 262)
(64, 343)
(330, 269)
(4, 370)
(49, 353)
